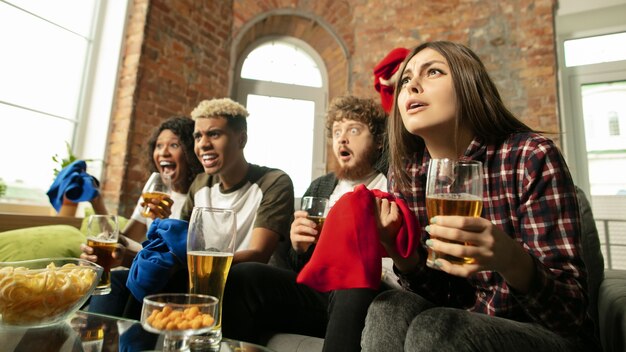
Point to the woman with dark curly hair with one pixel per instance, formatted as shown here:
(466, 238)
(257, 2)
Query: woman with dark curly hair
(170, 152)
(182, 141)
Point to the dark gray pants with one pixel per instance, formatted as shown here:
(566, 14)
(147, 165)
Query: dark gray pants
(400, 320)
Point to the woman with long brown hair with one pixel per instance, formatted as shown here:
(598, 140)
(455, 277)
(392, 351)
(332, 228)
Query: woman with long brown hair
(525, 285)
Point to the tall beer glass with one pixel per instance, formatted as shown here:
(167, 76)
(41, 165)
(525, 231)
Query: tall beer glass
(102, 235)
(210, 249)
(453, 188)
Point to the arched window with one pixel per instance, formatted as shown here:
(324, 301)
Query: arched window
(282, 82)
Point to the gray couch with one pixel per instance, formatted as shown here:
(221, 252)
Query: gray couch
(607, 295)
(607, 288)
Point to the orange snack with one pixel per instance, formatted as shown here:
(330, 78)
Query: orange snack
(178, 319)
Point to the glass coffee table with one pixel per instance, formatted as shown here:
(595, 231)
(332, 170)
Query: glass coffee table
(91, 332)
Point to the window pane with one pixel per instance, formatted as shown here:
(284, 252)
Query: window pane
(283, 63)
(280, 135)
(28, 147)
(594, 50)
(75, 15)
(44, 68)
(604, 113)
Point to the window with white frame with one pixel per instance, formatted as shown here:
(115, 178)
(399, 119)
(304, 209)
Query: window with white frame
(50, 69)
(593, 81)
(282, 83)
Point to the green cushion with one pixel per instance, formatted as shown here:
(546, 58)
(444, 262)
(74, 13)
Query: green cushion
(40, 242)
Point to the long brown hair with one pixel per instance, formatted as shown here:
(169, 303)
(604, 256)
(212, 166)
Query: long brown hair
(478, 102)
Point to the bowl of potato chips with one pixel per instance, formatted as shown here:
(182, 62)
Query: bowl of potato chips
(42, 292)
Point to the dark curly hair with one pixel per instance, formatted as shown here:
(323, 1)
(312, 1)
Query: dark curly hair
(182, 127)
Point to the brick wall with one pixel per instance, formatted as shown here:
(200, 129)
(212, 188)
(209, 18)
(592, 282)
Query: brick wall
(176, 54)
(185, 50)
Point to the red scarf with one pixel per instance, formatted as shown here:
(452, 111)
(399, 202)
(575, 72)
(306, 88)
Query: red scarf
(348, 253)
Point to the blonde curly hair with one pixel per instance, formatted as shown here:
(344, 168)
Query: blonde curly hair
(234, 112)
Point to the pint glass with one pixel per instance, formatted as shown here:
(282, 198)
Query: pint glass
(210, 249)
(453, 188)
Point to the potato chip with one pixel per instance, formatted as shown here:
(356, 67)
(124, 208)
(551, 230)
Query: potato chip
(30, 295)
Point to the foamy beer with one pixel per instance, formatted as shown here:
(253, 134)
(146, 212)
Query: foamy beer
(453, 188)
(102, 236)
(316, 208)
(157, 188)
(210, 249)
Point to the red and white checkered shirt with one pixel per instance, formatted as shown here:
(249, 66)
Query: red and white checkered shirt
(528, 193)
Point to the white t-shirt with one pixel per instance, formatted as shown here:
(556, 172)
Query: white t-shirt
(375, 181)
(264, 198)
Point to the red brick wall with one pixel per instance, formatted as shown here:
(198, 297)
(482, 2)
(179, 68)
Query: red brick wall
(176, 54)
(189, 47)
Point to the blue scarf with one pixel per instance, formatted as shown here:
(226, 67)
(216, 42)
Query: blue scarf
(163, 253)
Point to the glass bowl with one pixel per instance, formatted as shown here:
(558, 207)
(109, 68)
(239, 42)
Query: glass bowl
(178, 316)
(43, 292)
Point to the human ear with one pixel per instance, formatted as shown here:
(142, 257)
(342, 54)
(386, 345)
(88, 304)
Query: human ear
(243, 139)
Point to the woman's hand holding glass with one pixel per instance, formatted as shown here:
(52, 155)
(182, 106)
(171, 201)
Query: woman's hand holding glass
(491, 249)
(88, 253)
(156, 197)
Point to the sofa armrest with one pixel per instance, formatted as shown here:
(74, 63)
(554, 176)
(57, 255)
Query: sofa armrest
(12, 221)
(612, 310)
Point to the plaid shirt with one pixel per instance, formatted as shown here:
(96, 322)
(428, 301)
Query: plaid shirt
(528, 193)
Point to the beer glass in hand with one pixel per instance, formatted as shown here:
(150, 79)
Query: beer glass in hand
(158, 187)
(102, 235)
(453, 187)
(317, 208)
(210, 249)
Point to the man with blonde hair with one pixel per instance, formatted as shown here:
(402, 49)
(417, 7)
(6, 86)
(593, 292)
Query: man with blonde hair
(262, 197)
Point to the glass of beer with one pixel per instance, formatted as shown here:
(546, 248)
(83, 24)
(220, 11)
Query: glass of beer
(317, 208)
(453, 187)
(102, 235)
(158, 187)
(210, 248)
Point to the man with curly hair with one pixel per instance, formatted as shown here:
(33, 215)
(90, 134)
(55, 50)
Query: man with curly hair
(261, 197)
(260, 299)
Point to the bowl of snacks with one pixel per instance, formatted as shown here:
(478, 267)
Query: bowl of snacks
(178, 316)
(43, 292)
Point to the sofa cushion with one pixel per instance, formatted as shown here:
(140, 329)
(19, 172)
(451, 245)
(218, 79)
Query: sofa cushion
(612, 311)
(40, 242)
(295, 343)
(592, 254)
